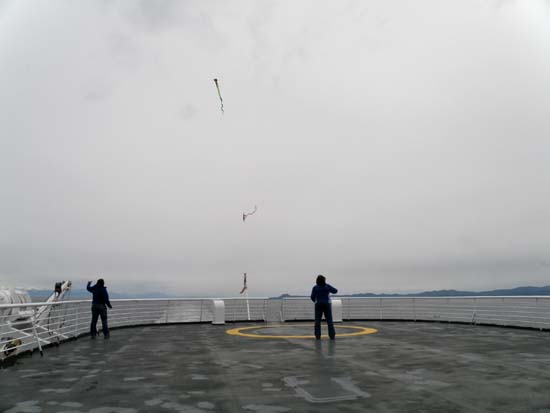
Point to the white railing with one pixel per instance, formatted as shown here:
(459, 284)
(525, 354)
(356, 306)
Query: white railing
(34, 325)
(240, 309)
(524, 311)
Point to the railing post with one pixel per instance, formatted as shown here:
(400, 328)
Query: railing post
(414, 309)
(475, 312)
(380, 307)
(337, 313)
(537, 311)
(345, 307)
(500, 310)
(200, 319)
(76, 321)
(166, 313)
(35, 332)
(247, 306)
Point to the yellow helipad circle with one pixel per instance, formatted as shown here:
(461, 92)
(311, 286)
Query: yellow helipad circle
(361, 331)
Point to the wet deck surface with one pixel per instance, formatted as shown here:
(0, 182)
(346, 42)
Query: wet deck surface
(405, 367)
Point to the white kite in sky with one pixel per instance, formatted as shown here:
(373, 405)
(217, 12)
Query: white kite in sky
(249, 213)
(244, 285)
(219, 94)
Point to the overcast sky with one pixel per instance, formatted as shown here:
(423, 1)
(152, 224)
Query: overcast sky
(390, 145)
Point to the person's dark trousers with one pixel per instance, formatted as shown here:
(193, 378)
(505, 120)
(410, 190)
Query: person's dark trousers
(99, 310)
(320, 309)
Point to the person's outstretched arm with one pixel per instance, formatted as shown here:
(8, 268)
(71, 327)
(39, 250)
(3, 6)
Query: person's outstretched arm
(332, 289)
(89, 288)
(313, 294)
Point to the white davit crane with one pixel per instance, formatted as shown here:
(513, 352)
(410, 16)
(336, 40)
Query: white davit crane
(61, 290)
(16, 322)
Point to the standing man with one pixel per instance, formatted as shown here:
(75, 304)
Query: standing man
(320, 296)
(100, 302)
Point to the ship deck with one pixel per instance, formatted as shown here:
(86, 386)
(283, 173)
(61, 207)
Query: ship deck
(403, 367)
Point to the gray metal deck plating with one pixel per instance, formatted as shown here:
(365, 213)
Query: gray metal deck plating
(405, 367)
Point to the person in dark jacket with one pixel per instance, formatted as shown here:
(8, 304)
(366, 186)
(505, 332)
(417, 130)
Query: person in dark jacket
(320, 296)
(100, 302)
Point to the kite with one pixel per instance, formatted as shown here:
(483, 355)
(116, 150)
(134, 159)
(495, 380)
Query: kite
(219, 94)
(245, 289)
(250, 213)
(244, 285)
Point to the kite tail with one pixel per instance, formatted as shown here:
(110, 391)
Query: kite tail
(220, 95)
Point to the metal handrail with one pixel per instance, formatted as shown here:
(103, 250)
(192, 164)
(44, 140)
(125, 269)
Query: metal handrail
(462, 297)
(521, 311)
(121, 300)
(64, 320)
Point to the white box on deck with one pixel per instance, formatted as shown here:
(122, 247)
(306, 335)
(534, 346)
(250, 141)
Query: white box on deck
(337, 310)
(218, 312)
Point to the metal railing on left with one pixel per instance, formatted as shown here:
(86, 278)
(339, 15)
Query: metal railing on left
(31, 326)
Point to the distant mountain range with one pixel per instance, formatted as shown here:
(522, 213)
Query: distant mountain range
(83, 294)
(451, 293)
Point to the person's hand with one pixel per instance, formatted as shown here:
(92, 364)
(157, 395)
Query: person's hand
(110, 306)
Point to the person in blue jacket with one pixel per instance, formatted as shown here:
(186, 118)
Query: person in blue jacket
(100, 302)
(320, 296)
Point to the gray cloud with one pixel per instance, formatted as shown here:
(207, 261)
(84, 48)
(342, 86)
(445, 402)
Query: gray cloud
(155, 16)
(388, 145)
(188, 111)
(98, 90)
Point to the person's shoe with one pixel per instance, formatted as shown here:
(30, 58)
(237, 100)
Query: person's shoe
(92, 337)
(106, 337)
